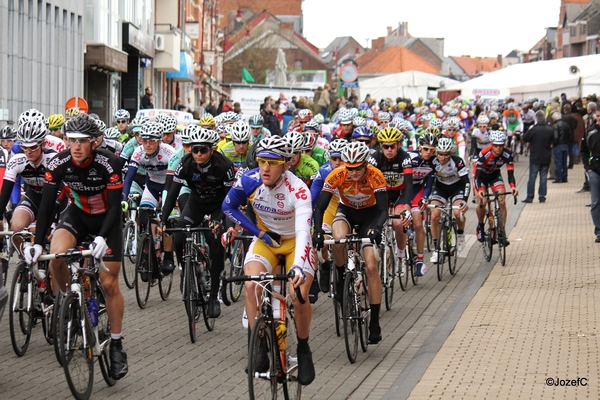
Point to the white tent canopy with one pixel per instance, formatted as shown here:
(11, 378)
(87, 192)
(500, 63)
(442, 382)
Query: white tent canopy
(542, 80)
(409, 84)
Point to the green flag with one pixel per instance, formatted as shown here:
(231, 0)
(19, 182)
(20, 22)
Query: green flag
(246, 77)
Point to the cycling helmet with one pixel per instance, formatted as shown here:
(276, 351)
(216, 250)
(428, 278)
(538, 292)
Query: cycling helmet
(311, 126)
(345, 116)
(152, 131)
(304, 115)
(296, 140)
(138, 123)
(354, 111)
(30, 115)
(319, 119)
(93, 115)
(493, 115)
(101, 125)
(32, 132)
(355, 153)
(384, 116)
(497, 137)
(228, 117)
(72, 112)
(310, 140)
(207, 119)
(275, 147)
(122, 114)
(168, 122)
(240, 131)
(56, 121)
(369, 114)
(389, 135)
(336, 147)
(362, 131)
(483, 119)
(203, 136)
(362, 113)
(256, 121)
(434, 131)
(453, 122)
(425, 117)
(453, 112)
(444, 145)
(510, 106)
(8, 133)
(359, 121)
(428, 138)
(112, 133)
(187, 132)
(82, 126)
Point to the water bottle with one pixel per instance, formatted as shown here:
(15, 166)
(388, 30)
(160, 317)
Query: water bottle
(359, 282)
(93, 311)
(281, 333)
(157, 247)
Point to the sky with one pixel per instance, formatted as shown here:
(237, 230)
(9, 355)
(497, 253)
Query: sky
(474, 28)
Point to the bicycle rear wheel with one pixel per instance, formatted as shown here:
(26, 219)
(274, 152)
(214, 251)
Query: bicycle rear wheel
(128, 261)
(350, 316)
(387, 275)
(291, 388)
(190, 293)
(452, 248)
(58, 348)
(501, 238)
(104, 337)
(143, 269)
(428, 236)
(364, 312)
(20, 318)
(487, 244)
(77, 358)
(236, 269)
(411, 264)
(337, 306)
(262, 359)
(165, 282)
(205, 283)
(442, 245)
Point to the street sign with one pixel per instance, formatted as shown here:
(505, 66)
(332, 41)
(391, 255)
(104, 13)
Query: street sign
(78, 102)
(348, 72)
(349, 85)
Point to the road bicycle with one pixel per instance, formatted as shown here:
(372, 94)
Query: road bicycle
(197, 280)
(130, 236)
(494, 231)
(236, 253)
(83, 329)
(356, 311)
(389, 265)
(273, 335)
(446, 247)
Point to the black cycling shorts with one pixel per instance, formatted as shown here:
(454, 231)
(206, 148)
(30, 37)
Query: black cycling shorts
(443, 193)
(365, 218)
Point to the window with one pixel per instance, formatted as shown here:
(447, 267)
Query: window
(298, 64)
(573, 31)
(583, 29)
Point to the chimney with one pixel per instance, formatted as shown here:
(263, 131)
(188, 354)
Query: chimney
(389, 30)
(499, 59)
(403, 29)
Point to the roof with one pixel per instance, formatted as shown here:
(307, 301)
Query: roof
(475, 66)
(573, 9)
(393, 59)
(337, 44)
(592, 15)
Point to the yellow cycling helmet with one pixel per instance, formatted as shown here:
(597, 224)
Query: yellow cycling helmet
(388, 135)
(55, 121)
(72, 112)
(207, 119)
(434, 131)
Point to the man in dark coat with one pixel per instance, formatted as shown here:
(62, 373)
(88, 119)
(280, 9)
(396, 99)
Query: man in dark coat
(540, 136)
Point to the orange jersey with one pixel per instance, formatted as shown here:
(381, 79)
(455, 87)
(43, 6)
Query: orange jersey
(353, 194)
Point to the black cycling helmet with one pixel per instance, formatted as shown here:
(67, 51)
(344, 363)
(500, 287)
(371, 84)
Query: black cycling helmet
(8, 133)
(82, 126)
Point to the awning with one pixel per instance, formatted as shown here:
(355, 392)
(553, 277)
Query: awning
(186, 69)
(104, 57)
(138, 40)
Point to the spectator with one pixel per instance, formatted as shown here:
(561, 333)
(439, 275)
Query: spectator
(562, 137)
(317, 99)
(295, 101)
(324, 101)
(271, 121)
(563, 102)
(287, 116)
(147, 99)
(302, 103)
(228, 106)
(540, 137)
(190, 106)
(177, 103)
(578, 132)
(589, 121)
(220, 108)
(210, 107)
(570, 119)
(269, 100)
(237, 108)
(282, 98)
(591, 145)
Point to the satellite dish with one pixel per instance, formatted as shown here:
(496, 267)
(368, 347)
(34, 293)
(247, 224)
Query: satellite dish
(573, 69)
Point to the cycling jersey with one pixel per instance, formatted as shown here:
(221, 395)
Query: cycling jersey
(353, 194)
(488, 166)
(479, 140)
(316, 188)
(172, 167)
(31, 174)
(451, 172)
(422, 172)
(284, 209)
(94, 188)
(111, 145)
(128, 150)
(396, 172)
(511, 121)
(264, 133)
(177, 143)
(155, 165)
(322, 143)
(228, 150)
(51, 143)
(459, 141)
(320, 155)
(306, 169)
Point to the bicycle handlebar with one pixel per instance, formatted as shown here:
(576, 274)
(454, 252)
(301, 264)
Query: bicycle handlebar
(496, 195)
(262, 277)
(348, 241)
(65, 254)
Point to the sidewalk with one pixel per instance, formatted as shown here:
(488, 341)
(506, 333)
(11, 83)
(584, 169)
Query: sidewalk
(534, 322)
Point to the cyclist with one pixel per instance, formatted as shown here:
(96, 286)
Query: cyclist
(257, 130)
(304, 116)
(51, 143)
(480, 137)
(487, 174)
(384, 119)
(512, 123)
(226, 119)
(344, 130)
(363, 202)
(396, 166)
(133, 143)
(282, 204)
(72, 112)
(237, 149)
(335, 161)
(153, 155)
(109, 140)
(55, 124)
(176, 158)
(451, 184)
(209, 175)
(94, 179)
(122, 119)
(452, 131)
(365, 135)
(169, 124)
(303, 166)
(311, 136)
(422, 177)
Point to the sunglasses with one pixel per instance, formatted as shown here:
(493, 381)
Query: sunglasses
(389, 146)
(452, 129)
(359, 168)
(271, 163)
(200, 149)
(365, 141)
(55, 129)
(31, 148)
(428, 149)
(78, 141)
(150, 140)
(256, 127)
(242, 142)
(121, 121)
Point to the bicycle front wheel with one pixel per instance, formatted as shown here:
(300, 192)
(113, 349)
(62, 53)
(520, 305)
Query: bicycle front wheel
(128, 259)
(262, 359)
(337, 306)
(104, 338)
(190, 295)
(350, 315)
(143, 271)
(77, 357)
(165, 283)
(20, 315)
(291, 388)
(237, 266)
(364, 311)
(205, 283)
(452, 248)
(501, 237)
(387, 275)
(441, 249)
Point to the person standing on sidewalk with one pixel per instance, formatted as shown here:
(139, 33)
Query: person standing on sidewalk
(563, 135)
(590, 155)
(540, 137)
(589, 121)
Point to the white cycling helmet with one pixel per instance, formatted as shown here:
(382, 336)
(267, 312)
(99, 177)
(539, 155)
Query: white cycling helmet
(112, 133)
(497, 137)
(336, 147)
(122, 114)
(187, 132)
(384, 116)
(444, 145)
(152, 131)
(355, 153)
(359, 121)
(32, 132)
(203, 136)
(483, 119)
(240, 131)
(274, 147)
(345, 116)
(319, 119)
(30, 115)
(296, 140)
(168, 122)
